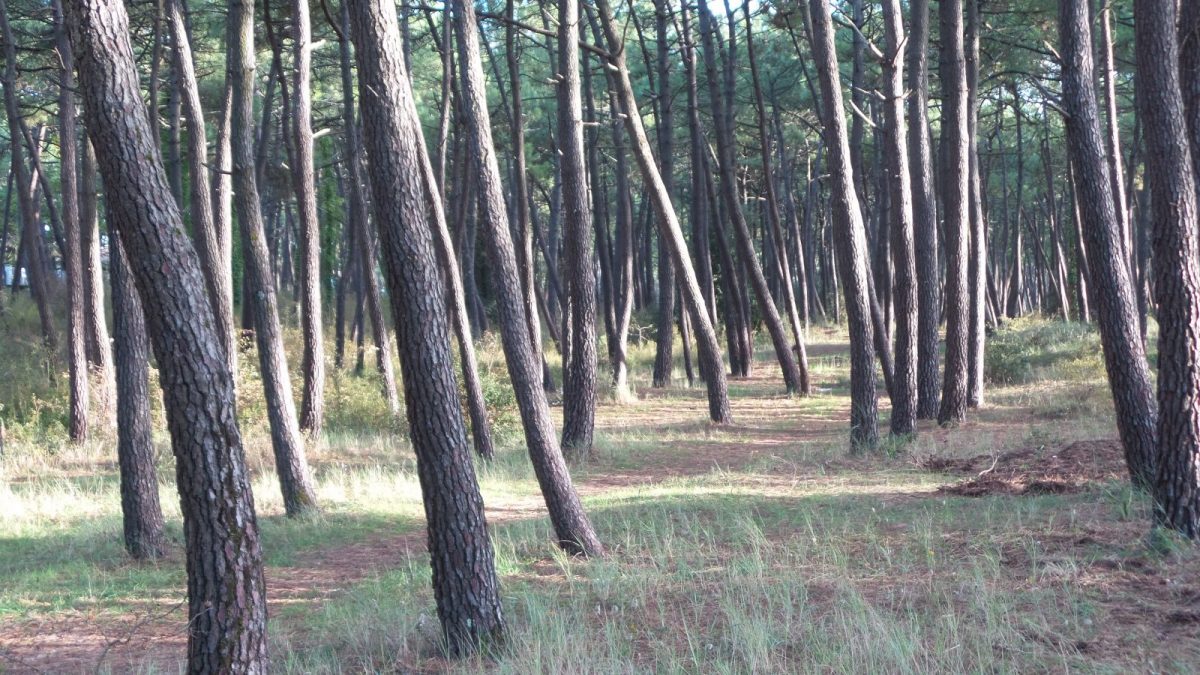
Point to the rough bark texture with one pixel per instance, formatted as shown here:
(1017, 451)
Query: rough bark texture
(1111, 289)
(850, 238)
(226, 597)
(1176, 269)
(77, 427)
(140, 509)
(924, 211)
(904, 378)
(664, 359)
(465, 585)
(571, 524)
(669, 229)
(955, 182)
(288, 445)
(579, 369)
(312, 404)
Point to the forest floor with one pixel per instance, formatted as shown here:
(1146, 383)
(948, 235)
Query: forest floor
(1009, 543)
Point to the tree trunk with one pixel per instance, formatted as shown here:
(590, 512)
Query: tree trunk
(571, 524)
(312, 405)
(466, 588)
(977, 256)
(140, 509)
(669, 228)
(924, 211)
(664, 132)
(77, 426)
(904, 379)
(579, 370)
(956, 180)
(850, 238)
(95, 325)
(1112, 291)
(227, 605)
(1176, 269)
(288, 445)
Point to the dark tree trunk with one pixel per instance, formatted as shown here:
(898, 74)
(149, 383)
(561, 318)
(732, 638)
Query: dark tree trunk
(571, 524)
(1176, 245)
(579, 369)
(664, 132)
(77, 426)
(669, 228)
(227, 604)
(956, 181)
(140, 510)
(464, 575)
(288, 445)
(850, 238)
(924, 211)
(904, 380)
(312, 405)
(1111, 288)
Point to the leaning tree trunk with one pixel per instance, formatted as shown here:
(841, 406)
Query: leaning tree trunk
(227, 611)
(465, 585)
(726, 165)
(208, 245)
(288, 445)
(904, 378)
(956, 175)
(669, 229)
(571, 524)
(1176, 269)
(850, 237)
(579, 370)
(1110, 285)
(312, 404)
(924, 212)
(140, 510)
(77, 426)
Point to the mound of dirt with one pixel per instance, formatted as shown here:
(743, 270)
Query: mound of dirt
(1034, 471)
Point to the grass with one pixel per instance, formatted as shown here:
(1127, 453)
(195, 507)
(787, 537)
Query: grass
(760, 547)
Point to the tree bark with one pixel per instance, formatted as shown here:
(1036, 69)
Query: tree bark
(288, 445)
(99, 346)
(466, 588)
(977, 249)
(571, 524)
(1176, 244)
(956, 181)
(227, 605)
(924, 211)
(850, 237)
(904, 379)
(1111, 287)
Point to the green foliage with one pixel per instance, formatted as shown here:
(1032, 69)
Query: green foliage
(1034, 349)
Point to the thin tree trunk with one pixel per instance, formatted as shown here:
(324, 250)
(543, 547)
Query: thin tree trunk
(290, 463)
(95, 326)
(977, 248)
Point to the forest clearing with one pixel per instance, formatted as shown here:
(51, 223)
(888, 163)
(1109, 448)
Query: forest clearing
(577, 336)
(1013, 542)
